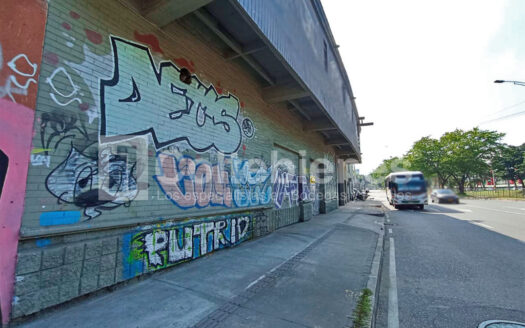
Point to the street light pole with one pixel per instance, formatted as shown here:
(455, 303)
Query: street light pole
(513, 82)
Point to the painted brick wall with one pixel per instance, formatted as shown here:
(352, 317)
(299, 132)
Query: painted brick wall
(102, 206)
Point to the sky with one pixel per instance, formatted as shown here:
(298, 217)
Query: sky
(422, 68)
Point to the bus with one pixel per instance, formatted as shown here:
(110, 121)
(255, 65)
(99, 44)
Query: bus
(406, 189)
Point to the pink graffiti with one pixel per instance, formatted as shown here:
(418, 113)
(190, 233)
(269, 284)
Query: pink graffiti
(149, 39)
(94, 37)
(188, 184)
(66, 26)
(74, 15)
(16, 123)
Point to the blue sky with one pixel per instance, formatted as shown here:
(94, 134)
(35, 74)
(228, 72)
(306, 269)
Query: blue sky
(422, 68)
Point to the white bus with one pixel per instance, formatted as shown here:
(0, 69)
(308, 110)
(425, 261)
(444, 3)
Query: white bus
(406, 189)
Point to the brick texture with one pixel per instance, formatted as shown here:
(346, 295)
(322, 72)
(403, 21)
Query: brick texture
(93, 245)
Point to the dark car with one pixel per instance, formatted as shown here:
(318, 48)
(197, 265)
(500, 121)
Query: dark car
(444, 196)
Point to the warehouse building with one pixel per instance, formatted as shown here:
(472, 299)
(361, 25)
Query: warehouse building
(139, 134)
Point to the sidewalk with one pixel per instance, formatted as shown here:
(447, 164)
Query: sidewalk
(304, 275)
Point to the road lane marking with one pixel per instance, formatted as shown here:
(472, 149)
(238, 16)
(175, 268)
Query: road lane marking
(393, 310)
(483, 225)
(465, 210)
(432, 209)
(255, 281)
(491, 209)
(390, 231)
(514, 208)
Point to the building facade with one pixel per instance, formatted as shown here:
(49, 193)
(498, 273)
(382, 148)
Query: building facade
(137, 135)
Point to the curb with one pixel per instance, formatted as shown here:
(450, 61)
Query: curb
(375, 273)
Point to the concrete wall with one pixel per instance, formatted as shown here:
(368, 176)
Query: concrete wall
(136, 170)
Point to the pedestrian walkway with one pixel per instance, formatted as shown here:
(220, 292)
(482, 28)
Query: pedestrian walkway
(303, 275)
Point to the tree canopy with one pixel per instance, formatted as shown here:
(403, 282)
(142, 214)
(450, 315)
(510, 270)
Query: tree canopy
(460, 158)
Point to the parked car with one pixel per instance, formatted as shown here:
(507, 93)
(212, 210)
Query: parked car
(444, 196)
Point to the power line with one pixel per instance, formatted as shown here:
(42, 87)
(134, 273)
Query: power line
(508, 107)
(503, 117)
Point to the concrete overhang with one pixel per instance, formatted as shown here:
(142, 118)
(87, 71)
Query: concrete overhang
(246, 39)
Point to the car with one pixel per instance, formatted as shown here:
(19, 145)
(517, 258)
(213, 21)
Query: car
(444, 196)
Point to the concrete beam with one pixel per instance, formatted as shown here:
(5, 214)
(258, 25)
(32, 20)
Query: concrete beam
(336, 142)
(214, 25)
(319, 125)
(163, 12)
(245, 50)
(279, 93)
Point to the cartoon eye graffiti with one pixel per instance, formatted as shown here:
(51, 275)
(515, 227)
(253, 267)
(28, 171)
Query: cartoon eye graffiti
(135, 95)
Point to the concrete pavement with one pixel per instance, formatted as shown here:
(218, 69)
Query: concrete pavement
(304, 275)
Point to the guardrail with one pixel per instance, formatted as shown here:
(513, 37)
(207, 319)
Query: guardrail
(495, 193)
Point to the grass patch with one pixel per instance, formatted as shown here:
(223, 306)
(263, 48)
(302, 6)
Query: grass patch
(363, 310)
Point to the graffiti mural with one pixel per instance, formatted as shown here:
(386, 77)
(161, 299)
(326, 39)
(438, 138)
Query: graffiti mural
(248, 129)
(16, 123)
(251, 183)
(21, 49)
(188, 184)
(77, 180)
(160, 248)
(191, 184)
(285, 187)
(170, 110)
(23, 73)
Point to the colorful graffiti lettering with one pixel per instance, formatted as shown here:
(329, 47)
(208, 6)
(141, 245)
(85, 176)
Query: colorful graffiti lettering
(285, 186)
(170, 109)
(250, 182)
(188, 184)
(168, 246)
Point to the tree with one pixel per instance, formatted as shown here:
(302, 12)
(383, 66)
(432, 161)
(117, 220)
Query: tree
(393, 164)
(427, 155)
(509, 163)
(468, 153)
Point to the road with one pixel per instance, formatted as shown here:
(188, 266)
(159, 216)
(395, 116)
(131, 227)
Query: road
(453, 265)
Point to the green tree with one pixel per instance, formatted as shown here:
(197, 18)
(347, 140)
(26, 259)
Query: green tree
(393, 164)
(428, 156)
(509, 163)
(469, 153)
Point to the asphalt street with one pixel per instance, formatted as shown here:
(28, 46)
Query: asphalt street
(453, 265)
